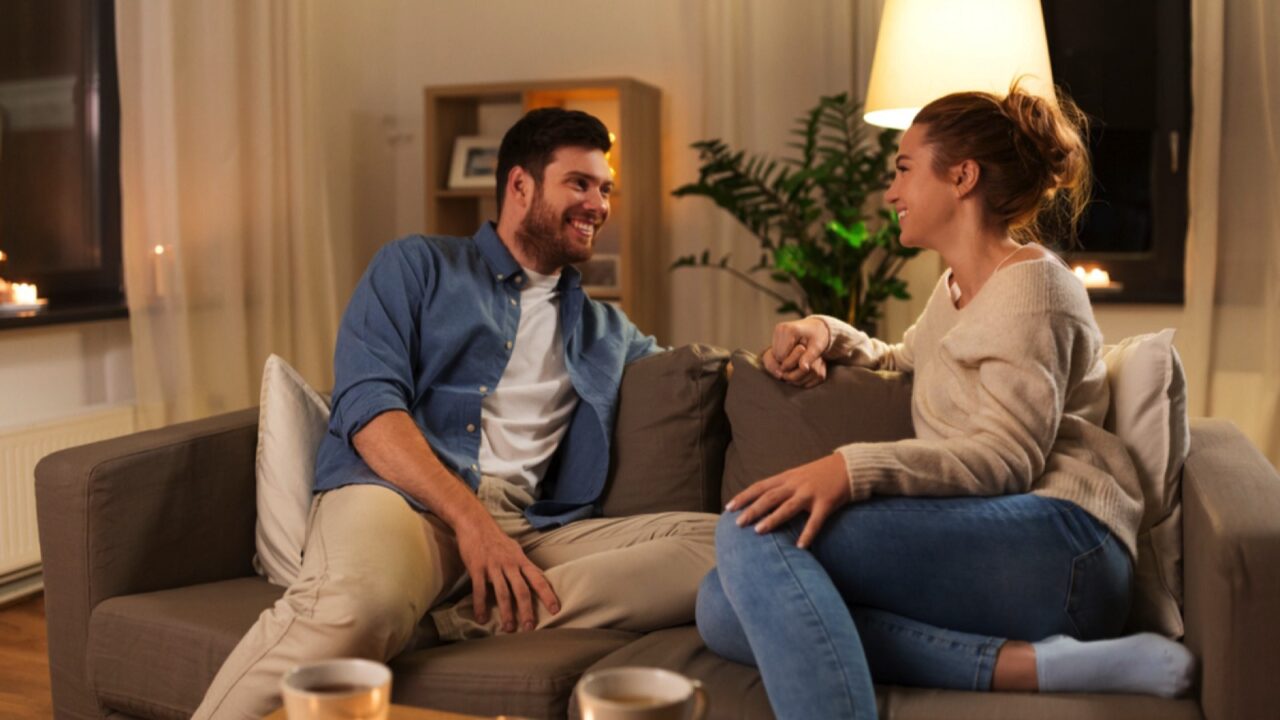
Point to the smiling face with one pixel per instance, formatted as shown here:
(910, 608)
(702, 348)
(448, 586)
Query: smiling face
(926, 203)
(567, 209)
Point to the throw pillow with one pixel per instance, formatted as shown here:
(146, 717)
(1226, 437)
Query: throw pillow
(777, 426)
(670, 434)
(292, 419)
(1149, 415)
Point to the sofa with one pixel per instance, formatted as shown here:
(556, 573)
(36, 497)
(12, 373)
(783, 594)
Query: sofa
(148, 546)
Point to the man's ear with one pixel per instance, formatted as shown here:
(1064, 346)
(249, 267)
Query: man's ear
(520, 187)
(964, 177)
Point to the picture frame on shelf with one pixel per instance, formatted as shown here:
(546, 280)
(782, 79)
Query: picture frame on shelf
(475, 162)
(601, 275)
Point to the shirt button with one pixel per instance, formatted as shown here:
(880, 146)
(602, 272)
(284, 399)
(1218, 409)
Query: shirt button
(501, 276)
(475, 468)
(471, 427)
(513, 301)
(520, 280)
(484, 389)
(508, 344)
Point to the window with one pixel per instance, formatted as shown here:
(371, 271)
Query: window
(59, 153)
(1128, 66)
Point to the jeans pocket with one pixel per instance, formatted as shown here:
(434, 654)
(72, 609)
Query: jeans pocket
(1098, 599)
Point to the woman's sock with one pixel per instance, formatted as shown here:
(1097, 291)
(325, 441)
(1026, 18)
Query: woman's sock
(1146, 663)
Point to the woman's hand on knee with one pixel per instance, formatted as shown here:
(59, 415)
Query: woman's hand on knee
(818, 488)
(795, 356)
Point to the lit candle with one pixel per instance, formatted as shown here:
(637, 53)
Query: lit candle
(1093, 277)
(24, 293)
(160, 273)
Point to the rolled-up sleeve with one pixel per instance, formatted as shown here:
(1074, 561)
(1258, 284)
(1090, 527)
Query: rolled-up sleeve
(640, 345)
(373, 367)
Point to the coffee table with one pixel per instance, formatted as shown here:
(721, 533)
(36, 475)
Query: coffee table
(402, 712)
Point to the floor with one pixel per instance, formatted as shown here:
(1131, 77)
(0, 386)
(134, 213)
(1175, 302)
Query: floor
(24, 661)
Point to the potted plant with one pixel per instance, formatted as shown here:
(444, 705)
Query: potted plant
(810, 215)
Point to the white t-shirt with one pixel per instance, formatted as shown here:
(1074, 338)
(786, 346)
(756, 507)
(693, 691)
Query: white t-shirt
(526, 415)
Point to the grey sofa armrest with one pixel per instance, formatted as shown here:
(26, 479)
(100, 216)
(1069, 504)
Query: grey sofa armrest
(1231, 568)
(150, 511)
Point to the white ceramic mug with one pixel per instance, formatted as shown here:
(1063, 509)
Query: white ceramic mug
(341, 689)
(640, 693)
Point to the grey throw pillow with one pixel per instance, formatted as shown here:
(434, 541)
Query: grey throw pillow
(777, 426)
(670, 435)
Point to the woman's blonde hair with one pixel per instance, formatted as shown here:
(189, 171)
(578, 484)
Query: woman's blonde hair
(1033, 161)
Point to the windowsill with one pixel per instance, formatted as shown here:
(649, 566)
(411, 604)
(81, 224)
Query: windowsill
(64, 314)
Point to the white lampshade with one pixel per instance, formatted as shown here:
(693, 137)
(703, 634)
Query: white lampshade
(930, 48)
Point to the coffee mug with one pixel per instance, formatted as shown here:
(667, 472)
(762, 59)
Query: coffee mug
(341, 689)
(640, 693)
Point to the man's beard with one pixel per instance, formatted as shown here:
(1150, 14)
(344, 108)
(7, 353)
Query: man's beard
(544, 238)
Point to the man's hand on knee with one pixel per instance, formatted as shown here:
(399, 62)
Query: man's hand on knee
(495, 561)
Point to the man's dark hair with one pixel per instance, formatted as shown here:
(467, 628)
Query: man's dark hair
(532, 141)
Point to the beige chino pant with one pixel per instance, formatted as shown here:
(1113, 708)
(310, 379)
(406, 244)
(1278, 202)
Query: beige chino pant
(372, 567)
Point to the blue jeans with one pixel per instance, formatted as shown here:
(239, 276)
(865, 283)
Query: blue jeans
(870, 598)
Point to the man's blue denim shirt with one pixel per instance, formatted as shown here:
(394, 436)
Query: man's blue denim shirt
(429, 331)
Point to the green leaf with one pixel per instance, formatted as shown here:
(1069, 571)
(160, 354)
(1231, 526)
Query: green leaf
(855, 234)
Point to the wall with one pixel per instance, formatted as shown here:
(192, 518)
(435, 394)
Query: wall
(52, 372)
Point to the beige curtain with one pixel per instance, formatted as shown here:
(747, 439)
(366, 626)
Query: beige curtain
(1232, 330)
(228, 255)
(763, 64)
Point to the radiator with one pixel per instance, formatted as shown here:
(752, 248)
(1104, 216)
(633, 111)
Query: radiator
(20, 449)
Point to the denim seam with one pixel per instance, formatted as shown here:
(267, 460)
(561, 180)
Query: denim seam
(1067, 509)
(773, 538)
(984, 671)
(1071, 587)
(984, 651)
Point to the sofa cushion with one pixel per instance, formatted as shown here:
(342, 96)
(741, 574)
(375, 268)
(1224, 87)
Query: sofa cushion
(292, 420)
(777, 426)
(735, 691)
(906, 703)
(670, 435)
(525, 674)
(154, 654)
(1149, 414)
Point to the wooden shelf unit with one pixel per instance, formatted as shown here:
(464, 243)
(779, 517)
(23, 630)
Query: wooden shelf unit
(631, 110)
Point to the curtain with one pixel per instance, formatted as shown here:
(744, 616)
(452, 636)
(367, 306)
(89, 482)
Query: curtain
(1232, 322)
(763, 65)
(227, 249)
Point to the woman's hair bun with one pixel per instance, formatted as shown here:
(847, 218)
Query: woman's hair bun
(1046, 137)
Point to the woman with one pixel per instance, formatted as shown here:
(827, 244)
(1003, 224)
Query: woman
(994, 551)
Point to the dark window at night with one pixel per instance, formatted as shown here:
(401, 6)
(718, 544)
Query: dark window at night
(59, 152)
(1127, 64)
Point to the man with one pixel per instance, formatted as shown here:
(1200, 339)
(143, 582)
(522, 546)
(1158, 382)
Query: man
(476, 389)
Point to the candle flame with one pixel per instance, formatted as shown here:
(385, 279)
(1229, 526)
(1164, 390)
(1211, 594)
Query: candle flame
(24, 293)
(159, 249)
(3, 257)
(1093, 277)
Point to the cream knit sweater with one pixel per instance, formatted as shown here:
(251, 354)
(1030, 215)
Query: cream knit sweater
(1008, 396)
